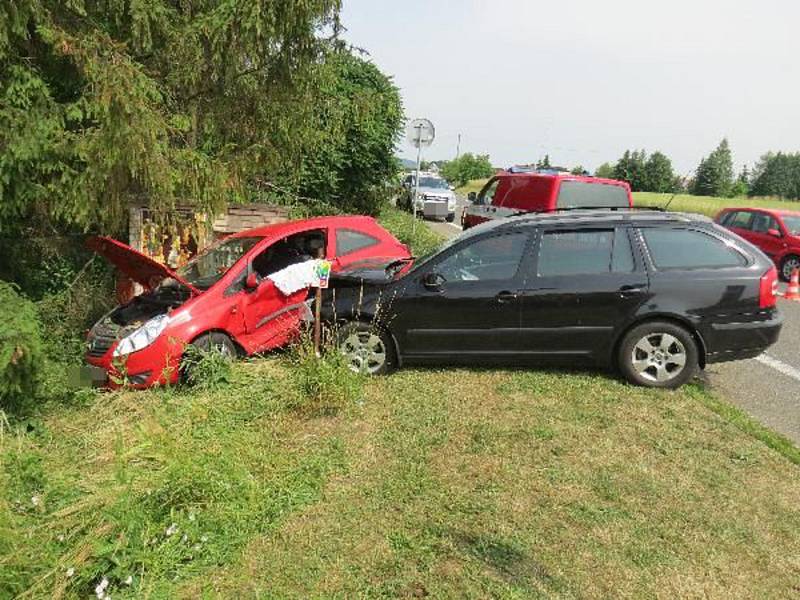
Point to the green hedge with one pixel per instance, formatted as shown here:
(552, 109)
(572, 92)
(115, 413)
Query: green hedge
(21, 353)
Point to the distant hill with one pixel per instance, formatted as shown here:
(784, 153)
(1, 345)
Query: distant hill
(407, 163)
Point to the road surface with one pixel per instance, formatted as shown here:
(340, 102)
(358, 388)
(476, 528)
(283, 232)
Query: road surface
(767, 387)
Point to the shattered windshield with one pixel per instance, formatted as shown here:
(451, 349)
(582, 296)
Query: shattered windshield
(208, 267)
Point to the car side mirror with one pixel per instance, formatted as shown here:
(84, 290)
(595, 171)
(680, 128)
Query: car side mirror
(251, 282)
(433, 281)
(472, 197)
(774, 233)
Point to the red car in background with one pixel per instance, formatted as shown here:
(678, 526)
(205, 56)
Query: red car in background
(511, 193)
(775, 232)
(222, 297)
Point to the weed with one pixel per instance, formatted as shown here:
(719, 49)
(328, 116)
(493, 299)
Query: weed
(207, 369)
(324, 383)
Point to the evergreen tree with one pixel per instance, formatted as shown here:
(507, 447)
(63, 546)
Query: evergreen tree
(544, 163)
(631, 168)
(658, 174)
(714, 176)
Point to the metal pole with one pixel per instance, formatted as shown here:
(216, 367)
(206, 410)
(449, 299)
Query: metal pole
(458, 147)
(317, 314)
(416, 179)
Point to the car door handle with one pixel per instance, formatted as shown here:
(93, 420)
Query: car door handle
(504, 297)
(631, 290)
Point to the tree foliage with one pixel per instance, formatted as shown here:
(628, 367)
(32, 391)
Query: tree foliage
(466, 168)
(606, 170)
(777, 174)
(714, 175)
(21, 353)
(631, 168)
(191, 102)
(658, 174)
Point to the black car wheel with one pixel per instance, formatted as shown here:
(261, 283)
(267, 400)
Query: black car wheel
(368, 349)
(788, 265)
(208, 342)
(658, 354)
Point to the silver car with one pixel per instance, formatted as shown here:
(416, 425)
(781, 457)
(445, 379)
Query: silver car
(436, 199)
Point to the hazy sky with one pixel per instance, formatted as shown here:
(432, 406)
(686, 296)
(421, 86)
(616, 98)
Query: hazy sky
(583, 80)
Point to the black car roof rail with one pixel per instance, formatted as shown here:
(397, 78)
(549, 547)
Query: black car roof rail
(571, 208)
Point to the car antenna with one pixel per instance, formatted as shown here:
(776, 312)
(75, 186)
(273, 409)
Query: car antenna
(675, 193)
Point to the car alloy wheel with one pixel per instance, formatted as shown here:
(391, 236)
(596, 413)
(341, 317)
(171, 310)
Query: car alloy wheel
(789, 265)
(365, 351)
(659, 357)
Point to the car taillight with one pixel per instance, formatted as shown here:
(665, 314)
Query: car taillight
(768, 292)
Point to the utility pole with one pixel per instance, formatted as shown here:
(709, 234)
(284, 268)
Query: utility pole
(458, 147)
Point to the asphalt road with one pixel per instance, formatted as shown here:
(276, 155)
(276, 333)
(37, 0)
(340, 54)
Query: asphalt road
(767, 387)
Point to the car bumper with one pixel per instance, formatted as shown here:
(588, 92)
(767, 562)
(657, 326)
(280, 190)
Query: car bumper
(158, 364)
(737, 341)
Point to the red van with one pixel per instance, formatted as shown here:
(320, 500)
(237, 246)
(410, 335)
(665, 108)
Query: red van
(509, 193)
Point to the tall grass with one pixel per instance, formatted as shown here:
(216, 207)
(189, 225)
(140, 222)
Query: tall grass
(707, 205)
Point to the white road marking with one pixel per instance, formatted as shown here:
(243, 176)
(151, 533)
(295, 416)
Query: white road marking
(779, 366)
(454, 225)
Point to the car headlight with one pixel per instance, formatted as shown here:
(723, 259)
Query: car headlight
(142, 337)
(451, 204)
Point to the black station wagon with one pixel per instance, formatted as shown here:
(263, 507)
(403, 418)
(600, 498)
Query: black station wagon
(656, 295)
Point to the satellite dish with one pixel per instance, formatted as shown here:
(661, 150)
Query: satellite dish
(421, 133)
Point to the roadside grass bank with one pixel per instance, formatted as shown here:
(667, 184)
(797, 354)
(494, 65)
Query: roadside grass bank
(476, 185)
(707, 205)
(446, 483)
(421, 239)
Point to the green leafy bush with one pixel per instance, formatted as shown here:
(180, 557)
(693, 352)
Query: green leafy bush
(20, 346)
(420, 238)
(207, 369)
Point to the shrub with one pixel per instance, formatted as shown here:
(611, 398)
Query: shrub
(20, 346)
(321, 384)
(207, 369)
(419, 238)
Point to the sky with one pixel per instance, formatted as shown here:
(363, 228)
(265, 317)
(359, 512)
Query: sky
(584, 80)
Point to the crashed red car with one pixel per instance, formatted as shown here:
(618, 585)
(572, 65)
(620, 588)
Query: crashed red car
(222, 298)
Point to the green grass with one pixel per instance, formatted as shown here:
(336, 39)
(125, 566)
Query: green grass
(447, 483)
(476, 185)
(417, 236)
(707, 205)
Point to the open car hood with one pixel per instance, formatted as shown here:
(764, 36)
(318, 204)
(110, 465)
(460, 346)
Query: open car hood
(140, 268)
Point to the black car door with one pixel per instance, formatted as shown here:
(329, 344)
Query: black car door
(583, 285)
(464, 303)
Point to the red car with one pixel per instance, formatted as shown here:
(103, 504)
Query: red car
(510, 193)
(222, 297)
(775, 232)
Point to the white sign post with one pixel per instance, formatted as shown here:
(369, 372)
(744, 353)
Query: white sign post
(421, 134)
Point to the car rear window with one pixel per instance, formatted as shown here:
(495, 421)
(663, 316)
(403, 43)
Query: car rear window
(582, 194)
(585, 253)
(690, 249)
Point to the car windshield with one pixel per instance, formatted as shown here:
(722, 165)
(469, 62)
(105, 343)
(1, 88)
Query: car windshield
(433, 182)
(208, 267)
(792, 224)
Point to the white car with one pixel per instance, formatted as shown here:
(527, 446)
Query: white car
(436, 199)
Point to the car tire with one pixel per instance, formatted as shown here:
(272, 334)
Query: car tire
(788, 264)
(366, 348)
(658, 354)
(208, 342)
(451, 217)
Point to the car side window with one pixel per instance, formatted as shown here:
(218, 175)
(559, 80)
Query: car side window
(584, 252)
(486, 195)
(740, 219)
(494, 258)
(689, 249)
(763, 223)
(349, 241)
